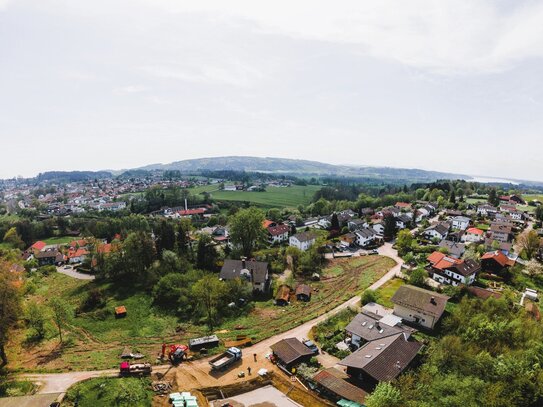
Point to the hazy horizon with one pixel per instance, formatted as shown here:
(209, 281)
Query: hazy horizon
(453, 86)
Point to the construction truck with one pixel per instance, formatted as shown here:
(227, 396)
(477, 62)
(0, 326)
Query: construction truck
(221, 362)
(136, 369)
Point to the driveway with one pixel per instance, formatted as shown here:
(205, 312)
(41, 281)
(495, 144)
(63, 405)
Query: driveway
(75, 274)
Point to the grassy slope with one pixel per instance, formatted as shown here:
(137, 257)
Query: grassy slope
(95, 340)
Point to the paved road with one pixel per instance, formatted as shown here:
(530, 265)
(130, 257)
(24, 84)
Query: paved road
(75, 274)
(60, 382)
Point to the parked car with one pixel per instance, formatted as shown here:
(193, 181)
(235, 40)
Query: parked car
(374, 251)
(311, 345)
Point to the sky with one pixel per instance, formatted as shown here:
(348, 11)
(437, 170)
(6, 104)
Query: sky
(451, 86)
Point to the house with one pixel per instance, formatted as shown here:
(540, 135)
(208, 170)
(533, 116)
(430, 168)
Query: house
(453, 213)
(368, 326)
(344, 217)
(500, 232)
(402, 221)
(38, 246)
(451, 271)
(282, 297)
(277, 233)
(347, 240)
(256, 272)
(438, 231)
(324, 222)
(302, 241)
(492, 245)
(77, 256)
(303, 292)
(382, 359)
(333, 383)
(291, 352)
(365, 236)
(379, 227)
(403, 205)
(49, 257)
(454, 249)
(460, 222)
(486, 210)
(355, 224)
(473, 235)
(418, 305)
(495, 261)
(230, 187)
(513, 199)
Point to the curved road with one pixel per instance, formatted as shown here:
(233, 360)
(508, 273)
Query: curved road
(60, 382)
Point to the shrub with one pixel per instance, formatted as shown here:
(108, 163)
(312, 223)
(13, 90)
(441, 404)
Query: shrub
(369, 296)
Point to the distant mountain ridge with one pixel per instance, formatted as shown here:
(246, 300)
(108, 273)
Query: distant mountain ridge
(300, 167)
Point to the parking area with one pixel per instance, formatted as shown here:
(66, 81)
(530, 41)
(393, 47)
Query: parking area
(267, 396)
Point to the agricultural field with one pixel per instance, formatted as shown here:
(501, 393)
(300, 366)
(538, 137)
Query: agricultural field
(95, 340)
(274, 197)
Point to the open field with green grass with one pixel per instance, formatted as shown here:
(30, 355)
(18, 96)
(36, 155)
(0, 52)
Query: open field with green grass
(59, 239)
(386, 292)
(273, 197)
(94, 340)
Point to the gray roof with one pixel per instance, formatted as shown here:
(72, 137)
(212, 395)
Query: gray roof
(384, 359)
(419, 299)
(289, 350)
(455, 249)
(365, 232)
(304, 236)
(232, 269)
(368, 327)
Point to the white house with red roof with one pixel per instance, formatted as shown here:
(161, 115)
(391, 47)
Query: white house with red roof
(473, 235)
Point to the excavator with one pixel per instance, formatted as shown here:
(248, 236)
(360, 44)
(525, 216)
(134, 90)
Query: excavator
(176, 353)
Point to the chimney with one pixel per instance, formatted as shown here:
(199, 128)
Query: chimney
(243, 262)
(433, 300)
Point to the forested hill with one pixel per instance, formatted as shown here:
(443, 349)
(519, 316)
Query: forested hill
(300, 167)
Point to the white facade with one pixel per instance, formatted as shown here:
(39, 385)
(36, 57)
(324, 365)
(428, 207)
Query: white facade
(417, 317)
(379, 228)
(460, 222)
(303, 244)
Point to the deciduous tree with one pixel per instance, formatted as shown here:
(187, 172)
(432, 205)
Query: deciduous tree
(246, 229)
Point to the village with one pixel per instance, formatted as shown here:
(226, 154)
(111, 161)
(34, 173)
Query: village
(322, 309)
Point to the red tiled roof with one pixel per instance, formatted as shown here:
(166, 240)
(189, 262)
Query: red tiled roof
(78, 253)
(187, 212)
(475, 231)
(435, 257)
(39, 245)
(499, 257)
(278, 230)
(402, 205)
(267, 223)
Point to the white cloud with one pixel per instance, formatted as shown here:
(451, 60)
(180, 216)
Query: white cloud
(446, 36)
(123, 90)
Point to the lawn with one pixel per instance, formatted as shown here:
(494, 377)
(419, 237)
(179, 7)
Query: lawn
(128, 391)
(59, 239)
(95, 340)
(386, 292)
(274, 197)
